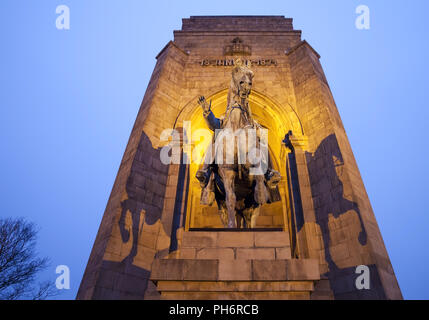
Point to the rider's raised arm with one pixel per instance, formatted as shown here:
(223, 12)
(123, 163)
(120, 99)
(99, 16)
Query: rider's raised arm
(212, 122)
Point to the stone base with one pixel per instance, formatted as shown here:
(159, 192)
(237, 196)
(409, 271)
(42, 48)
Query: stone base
(235, 265)
(322, 290)
(235, 290)
(236, 245)
(193, 279)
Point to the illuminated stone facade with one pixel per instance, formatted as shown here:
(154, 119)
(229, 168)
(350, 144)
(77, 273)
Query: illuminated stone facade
(156, 240)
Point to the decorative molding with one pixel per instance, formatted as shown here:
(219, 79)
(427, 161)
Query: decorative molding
(237, 47)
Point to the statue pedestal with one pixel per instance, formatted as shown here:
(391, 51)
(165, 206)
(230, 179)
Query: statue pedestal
(225, 265)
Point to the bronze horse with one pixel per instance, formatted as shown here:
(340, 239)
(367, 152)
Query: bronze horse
(240, 178)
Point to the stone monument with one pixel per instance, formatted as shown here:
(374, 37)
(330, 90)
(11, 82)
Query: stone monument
(302, 229)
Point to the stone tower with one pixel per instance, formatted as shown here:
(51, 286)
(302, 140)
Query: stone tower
(156, 241)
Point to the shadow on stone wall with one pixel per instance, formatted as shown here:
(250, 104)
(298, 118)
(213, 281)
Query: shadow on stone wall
(328, 198)
(297, 222)
(328, 191)
(181, 201)
(145, 188)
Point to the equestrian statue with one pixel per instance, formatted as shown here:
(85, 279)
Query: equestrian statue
(239, 177)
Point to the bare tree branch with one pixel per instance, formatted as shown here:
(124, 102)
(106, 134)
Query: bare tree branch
(19, 263)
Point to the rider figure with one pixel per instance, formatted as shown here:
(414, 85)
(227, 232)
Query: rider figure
(237, 99)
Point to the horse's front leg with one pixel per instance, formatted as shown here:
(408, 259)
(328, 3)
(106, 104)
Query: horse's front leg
(228, 177)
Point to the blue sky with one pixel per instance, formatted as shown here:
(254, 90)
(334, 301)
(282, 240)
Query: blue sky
(69, 100)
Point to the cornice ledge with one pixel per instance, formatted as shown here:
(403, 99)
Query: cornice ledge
(302, 43)
(168, 45)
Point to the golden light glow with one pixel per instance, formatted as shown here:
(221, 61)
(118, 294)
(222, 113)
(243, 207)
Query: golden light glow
(276, 119)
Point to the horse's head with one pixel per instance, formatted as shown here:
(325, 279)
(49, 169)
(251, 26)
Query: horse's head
(329, 147)
(241, 82)
(329, 152)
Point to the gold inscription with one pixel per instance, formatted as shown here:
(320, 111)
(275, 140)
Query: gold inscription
(231, 62)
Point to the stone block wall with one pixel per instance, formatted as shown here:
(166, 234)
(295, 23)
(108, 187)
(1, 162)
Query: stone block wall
(267, 245)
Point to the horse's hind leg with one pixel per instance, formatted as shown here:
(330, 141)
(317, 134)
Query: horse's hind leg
(254, 217)
(324, 228)
(228, 177)
(222, 214)
(261, 193)
(239, 219)
(362, 234)
(125, 234)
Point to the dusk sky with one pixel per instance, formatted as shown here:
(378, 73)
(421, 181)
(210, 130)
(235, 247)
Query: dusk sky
(69, 99)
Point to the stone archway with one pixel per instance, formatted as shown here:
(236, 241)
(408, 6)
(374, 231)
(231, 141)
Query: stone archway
(276, 118)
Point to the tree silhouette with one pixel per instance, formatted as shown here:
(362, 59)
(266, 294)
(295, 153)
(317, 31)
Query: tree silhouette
(19, 263)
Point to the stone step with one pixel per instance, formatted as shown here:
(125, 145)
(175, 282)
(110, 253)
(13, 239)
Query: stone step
(235, 239)
(240, 286)
(181, 279)
(235, 270)
(322, 290)
(265, 295)
(235, 253)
